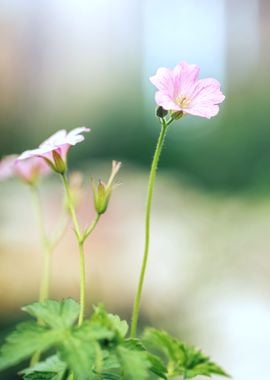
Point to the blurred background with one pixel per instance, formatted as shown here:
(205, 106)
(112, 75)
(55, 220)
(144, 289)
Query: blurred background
(65, 64)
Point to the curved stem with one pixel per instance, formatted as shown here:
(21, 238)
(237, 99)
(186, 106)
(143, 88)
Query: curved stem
(81, 237)
(137, 302)
(91, 228)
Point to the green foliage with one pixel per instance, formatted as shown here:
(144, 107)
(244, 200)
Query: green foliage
(112, 321)
(52, 369)
(180, 358)
(55, 313)
(134, 363)
(28, 338)
(98, 349)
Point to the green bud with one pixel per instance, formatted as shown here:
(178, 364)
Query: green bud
(101, 197)
(177, 115)
(59, 164)
(102, 191)
(161, 112)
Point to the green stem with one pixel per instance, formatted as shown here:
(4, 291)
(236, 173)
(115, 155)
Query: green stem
(45, 282)
(48, 247)
(72, 208)
(137, 302)
(91, 228)
(81, 237)
(82, 284)
(46, 253)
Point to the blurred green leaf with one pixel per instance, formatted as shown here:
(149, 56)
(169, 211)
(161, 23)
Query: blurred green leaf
(180, 358)
(112, 321)
(52, 369)
(28, 338)
(42, 376)
(134, 364)
(55, 313)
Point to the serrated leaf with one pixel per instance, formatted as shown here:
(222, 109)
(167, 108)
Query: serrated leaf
(134, 364)
(80, 348)
(110, 360)
(94, 331)
(52, 367)
(55, 313)
(112, 321)
(180, 358)
(79, 356)
(157, 366)
(133, 344)
(41, 376)
(108, 376)
(28, 338)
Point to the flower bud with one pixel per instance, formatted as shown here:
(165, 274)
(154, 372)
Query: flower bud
(59, 164)
(177, 115)
(101, 197)
(102, 191)
(161, 112)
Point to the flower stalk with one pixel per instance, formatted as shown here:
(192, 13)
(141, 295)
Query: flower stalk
(153, 171)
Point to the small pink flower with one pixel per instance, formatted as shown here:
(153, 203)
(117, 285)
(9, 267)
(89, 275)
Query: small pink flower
(54, 150)
(180, 90)
(28, 170)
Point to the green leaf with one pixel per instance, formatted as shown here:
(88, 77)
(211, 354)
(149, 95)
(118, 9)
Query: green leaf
(180, 358)
(41, 376)
(52, 369)
(55, 319)
(112, 321)
(135, 364)
(79, 356)
(94, 331)
(28, 338)
(55, 313)
(157, 366)
(80, 348)
(155, 363)
(110, 360)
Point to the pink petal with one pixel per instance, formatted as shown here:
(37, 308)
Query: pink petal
(30, 169)
(74, 136)
(29, 153)
(63, 150)
(185, 76)
(57, 138)
(166, 102)
(164, 81)
(7, 166)
(207, 90)
(203, 109)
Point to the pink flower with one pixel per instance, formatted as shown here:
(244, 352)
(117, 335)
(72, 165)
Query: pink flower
(180, 90)
(28, 170)
(54, 150)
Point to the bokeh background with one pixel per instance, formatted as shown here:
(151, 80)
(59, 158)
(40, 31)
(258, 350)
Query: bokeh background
(69, 63)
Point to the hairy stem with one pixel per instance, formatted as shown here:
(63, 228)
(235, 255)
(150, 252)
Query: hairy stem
(137, 302)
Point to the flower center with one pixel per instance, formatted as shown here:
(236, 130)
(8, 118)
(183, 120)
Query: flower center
(182, 101)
